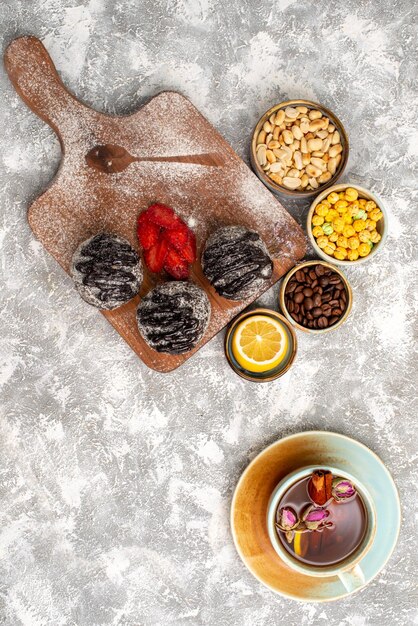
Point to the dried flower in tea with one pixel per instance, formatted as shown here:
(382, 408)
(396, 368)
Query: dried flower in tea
(287, 520)
(343, 490)
(314, 517)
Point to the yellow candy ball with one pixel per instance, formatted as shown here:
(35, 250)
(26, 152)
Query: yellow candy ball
(338, 224)
(347, 218)
(375, 237)
(364, 236)
(321, 209)
(352, 255)
(342, 241)
(341, 206)
(364, 249)
(370, 205)
(317, 231)
(370, 224)
(341, 195)
(351, 194)
(353, 243)
(354, 208)
(340, 253)
(359, 225)
(375, 214)
(317, 220)
(348, 231)
(328, 204)
(322, 241)
(333, 197)
(362, 202)
(329, 250)
(333, 237)
(331, 215)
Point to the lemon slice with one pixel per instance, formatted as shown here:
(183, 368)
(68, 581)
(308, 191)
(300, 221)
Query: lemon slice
(260, 343)
(297, 544)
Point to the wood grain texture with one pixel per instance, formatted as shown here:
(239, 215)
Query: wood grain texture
(82, 201)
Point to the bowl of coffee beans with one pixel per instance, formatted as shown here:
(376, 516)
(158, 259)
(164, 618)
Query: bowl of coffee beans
(316, 297)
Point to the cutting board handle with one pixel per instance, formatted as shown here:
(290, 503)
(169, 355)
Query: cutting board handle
(36, 80)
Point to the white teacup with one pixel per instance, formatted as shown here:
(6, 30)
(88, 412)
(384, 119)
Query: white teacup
(349, 570)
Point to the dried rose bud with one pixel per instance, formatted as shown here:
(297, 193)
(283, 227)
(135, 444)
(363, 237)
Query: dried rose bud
(287, 519)
(314, 517)
(343, 490)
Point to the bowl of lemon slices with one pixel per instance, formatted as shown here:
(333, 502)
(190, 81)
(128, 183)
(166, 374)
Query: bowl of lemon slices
(260, 345)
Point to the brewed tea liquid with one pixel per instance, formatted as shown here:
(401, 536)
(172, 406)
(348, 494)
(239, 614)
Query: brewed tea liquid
(331, 545)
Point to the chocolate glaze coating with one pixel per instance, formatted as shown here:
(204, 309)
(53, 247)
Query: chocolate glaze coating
(236, 262)
(173, 317)
(107, 271)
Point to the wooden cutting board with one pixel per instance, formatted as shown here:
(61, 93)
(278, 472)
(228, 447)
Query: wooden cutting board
(198, 174)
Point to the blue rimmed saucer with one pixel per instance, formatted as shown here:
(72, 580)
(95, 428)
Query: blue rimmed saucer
(257, 483)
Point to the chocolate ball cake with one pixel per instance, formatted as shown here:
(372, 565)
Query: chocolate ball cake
(173, 317)
(236, 262)
(107, 271)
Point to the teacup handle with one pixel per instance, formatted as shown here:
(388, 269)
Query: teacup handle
(353, 578)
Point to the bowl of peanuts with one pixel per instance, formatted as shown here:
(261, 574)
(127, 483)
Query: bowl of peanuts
(347, 224)
(299, 148)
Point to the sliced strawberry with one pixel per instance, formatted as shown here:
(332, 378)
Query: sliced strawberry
(175, 265)
(142, 218)
(148, 234)
(188, 249)
(177, 237)
(162, 215)
(156, 256)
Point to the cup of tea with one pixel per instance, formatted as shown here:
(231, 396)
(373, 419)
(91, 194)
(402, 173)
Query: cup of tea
(328, 539)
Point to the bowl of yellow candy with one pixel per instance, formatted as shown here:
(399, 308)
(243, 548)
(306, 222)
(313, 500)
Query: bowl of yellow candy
(347, 224)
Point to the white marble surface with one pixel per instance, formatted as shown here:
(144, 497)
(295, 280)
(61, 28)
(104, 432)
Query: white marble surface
(116, 481)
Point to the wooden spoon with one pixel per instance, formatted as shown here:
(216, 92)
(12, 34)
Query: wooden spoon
(110, 158)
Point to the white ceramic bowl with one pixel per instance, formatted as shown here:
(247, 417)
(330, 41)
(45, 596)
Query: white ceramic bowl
(381, 227)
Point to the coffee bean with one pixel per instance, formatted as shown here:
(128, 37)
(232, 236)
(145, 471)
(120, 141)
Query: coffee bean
(334, 280)
(297, 308)
(322, 322)
(341, 304)
(326, 297)
(308, 303)
(314, 283)
(319, 270)
(290, 306)
(333, 303)
(317, 311)
(299, 288)
(291, 287)
(299, 297)
(296, 317)
(307, 292)
(336, 312)
(332, 320)
(317, 300)
(324, 281)
(300, 276)
(326, 310)
(337, 294)
(312, 274)
(309, 315)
